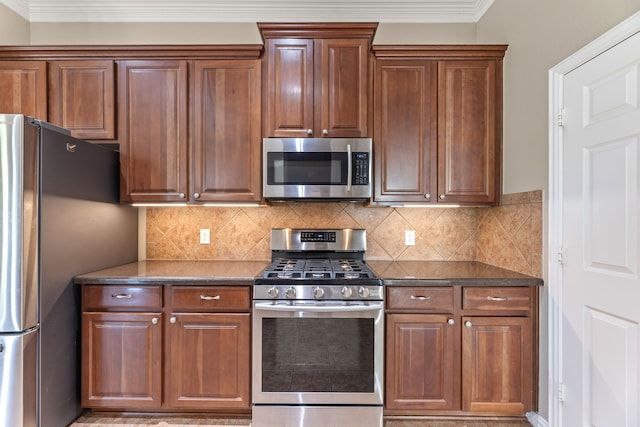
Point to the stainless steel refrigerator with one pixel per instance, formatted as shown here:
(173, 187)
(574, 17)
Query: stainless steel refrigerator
(59, 217)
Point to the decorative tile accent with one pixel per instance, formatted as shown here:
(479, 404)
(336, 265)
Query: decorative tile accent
(508, 236)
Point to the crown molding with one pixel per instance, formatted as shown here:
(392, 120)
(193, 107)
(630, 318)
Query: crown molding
(383, 11)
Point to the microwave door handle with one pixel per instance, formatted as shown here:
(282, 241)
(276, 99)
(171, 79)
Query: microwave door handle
(349, 167)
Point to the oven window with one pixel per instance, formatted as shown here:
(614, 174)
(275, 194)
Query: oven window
(317, 355)
(324, 168)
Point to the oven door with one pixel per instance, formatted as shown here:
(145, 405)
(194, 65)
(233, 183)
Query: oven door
(312, 352)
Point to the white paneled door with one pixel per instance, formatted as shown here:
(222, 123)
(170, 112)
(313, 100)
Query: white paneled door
(600, 198)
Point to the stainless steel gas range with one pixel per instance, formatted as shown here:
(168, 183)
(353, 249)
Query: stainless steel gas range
(318, 333)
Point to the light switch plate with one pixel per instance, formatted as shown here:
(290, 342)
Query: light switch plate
(205, 236)
(410, 237)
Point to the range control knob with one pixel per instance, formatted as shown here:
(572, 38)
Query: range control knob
(364, 292)
(347, 292)
(318, 292)
(273, 292)
(290, 292)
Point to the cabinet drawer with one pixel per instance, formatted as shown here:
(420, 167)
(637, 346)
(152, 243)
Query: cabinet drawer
(209, 298)
(420, 298)
(104, 297)
(496, 298)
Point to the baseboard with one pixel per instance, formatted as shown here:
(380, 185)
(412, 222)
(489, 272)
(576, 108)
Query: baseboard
(536, 420)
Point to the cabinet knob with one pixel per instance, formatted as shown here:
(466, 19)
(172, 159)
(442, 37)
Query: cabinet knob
(155, 320)
(196, 195)
(468, 324)
(309, 131)
(442, 196)
(181, 195)
(325, 132)
(173, 319)
(427, 196)
(451, 322)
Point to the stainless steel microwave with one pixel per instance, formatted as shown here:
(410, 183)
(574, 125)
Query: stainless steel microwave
(317, 168)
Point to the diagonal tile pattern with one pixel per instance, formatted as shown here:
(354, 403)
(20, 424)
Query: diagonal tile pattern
(508, 236)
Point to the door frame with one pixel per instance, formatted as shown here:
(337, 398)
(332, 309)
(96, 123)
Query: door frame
(619, 33)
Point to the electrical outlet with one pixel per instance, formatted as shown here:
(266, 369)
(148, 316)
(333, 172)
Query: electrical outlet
(410, 237)
(205, 236)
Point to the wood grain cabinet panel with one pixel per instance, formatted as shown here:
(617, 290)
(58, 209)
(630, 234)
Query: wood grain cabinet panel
(317, 80)
(152, 98)
(166, 347)
(23, 85)
(469, 351)
(121, 360)
(467, 133)
(438, 124)
(405, 131)
(422, 362)
(81, 98)
(226, 155)
(497, 365)
(208, 364)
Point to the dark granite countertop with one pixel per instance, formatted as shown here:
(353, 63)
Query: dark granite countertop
(178, 272)
(421, 273)
(439, 273)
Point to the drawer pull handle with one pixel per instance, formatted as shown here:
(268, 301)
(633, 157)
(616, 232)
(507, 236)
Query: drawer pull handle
(121, 296)
(497, 298)
(209, 298)
(420, 297)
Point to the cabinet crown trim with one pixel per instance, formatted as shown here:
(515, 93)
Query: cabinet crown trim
(116, 52)
(496, 51)
(326, 30)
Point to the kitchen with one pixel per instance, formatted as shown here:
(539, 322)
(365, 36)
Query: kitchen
(525, 145)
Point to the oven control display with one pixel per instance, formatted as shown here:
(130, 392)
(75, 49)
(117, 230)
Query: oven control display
(317, 236)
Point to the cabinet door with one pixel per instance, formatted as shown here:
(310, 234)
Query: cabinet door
(121, 360)
(81, 98)
(423, 362)
(208, 364)
(23, 85)
(405, 118)
(342, 88)
(468, 136)
(226, 156)
(289, 88)
(497, 365)
(152, 113)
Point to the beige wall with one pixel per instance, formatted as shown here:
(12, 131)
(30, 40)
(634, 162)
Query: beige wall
(540, 34)
(144, 33)
(14, 30)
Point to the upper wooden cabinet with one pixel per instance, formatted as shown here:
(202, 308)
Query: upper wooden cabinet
(23, 85)
(317, 79)
(153, 125)
(438, 124)
(81, 98)
(77, 95)
(226, 150)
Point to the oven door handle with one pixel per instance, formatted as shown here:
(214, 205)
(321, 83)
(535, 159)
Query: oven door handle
(341, 308)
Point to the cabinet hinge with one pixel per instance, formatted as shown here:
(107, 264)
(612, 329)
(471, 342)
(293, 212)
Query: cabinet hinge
(560, 256)
(561, 392)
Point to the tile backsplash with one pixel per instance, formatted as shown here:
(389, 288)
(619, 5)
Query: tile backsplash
(508, 236)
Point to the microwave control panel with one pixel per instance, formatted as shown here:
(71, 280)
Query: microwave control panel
(360, 169)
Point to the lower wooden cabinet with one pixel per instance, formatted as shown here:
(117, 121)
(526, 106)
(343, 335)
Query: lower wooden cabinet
(166, 347)
(461, 350)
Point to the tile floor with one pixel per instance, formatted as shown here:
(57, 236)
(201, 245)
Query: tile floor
(140, 421)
